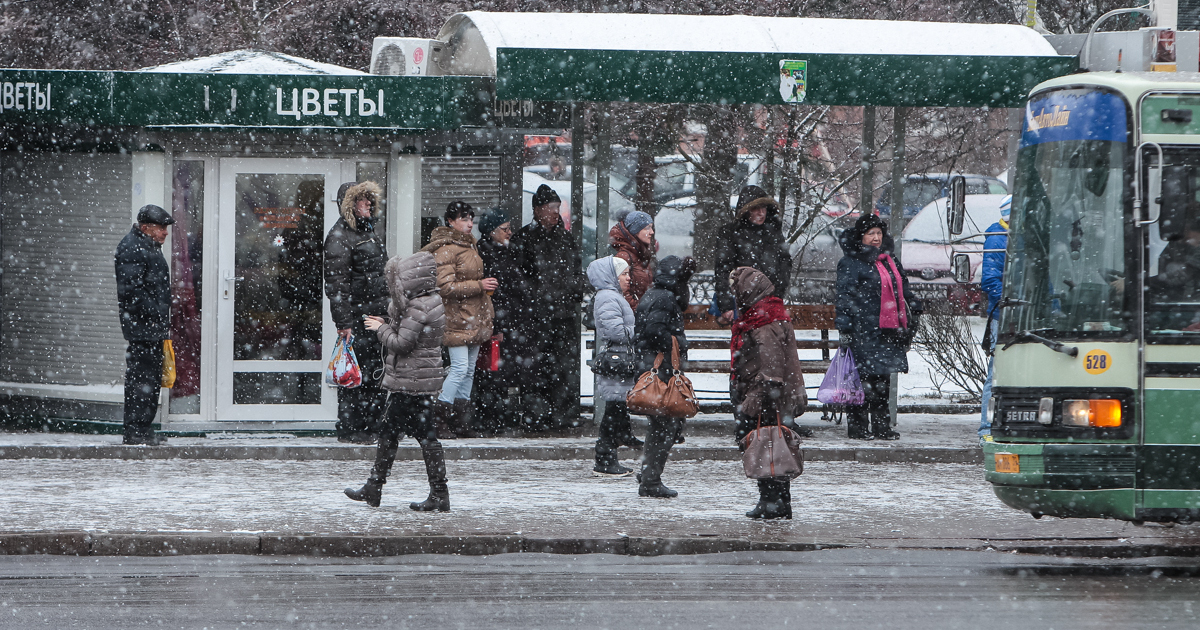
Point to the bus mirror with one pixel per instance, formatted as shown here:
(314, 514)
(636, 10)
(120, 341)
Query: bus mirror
(962, 268)
(957, 205)
(1175, 201)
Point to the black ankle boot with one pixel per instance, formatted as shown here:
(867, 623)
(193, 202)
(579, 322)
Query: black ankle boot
(439, 500)
(771, 503)
(371, 493)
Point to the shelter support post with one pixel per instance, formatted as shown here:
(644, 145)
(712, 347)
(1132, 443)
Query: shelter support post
(573, 367)
(867, 195)
(897, 220)
(603, 165)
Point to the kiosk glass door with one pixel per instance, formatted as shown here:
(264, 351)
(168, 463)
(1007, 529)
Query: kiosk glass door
(274, 331)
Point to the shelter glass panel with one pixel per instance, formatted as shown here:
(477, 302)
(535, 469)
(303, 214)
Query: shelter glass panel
(187, 271)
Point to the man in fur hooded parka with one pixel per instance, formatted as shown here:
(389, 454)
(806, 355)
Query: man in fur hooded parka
(354, 282)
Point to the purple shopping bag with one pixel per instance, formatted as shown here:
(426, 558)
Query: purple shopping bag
(841, 385)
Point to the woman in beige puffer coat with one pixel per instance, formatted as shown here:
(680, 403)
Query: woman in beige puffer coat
(468, 315)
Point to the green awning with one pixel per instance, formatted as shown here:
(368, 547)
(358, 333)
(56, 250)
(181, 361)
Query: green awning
(646, 76)
(244, 101)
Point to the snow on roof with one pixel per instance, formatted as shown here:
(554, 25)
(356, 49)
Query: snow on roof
(252, 62)
(737, 33)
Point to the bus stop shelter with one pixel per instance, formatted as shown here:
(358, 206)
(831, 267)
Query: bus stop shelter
(248, 148)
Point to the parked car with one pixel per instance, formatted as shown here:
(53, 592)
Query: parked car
(921, 189)
(926, 250)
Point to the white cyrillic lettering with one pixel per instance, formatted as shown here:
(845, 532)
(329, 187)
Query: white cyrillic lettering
(48, 96)
(313, 98)
(380, 104)
(366, 107)
(330, 101)
(7, 101)
(40, 99)
(206, 98)
(349, 94)
(20, 86)
(279, 104)
(233, 99)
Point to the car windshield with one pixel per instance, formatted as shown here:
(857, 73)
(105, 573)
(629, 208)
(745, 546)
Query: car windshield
(1067, 258)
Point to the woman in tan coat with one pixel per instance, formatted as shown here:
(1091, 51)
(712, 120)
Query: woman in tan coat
(468, 315)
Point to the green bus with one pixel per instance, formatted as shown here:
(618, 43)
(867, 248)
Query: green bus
(1096, 398)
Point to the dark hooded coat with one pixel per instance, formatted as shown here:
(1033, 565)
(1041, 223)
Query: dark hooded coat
(767, 366)
(354, 260)
(552, 266)
(876, 350)
(659, 317)
(744, 244)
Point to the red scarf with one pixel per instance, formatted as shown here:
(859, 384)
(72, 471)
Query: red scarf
(765, 311)
(893, 310)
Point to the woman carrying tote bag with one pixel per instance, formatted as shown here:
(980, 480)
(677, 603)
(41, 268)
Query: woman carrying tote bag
(659, 329)
(613, 364)
(767, 378)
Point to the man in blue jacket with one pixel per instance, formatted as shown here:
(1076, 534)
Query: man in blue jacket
(992, 283)
(144, 301)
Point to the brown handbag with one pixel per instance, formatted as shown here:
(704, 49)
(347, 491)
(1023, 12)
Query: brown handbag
(674, 398)
(772, 452)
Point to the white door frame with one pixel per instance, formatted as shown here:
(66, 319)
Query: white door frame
(224, 286)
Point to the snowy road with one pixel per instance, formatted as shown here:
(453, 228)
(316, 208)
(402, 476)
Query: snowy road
(823, 589)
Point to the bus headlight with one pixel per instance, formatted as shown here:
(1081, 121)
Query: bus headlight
(1092, 413)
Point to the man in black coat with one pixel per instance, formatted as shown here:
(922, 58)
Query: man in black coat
(754, 239)
(551, 264)
(354, 282)
(144, 302)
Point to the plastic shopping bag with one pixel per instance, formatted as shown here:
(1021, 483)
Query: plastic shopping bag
(343, 369)
(841, 385)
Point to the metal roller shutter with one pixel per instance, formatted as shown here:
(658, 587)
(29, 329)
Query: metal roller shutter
(474, 179)
(63, 216)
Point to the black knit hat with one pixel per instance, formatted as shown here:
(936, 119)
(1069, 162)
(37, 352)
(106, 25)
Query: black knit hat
(544, 195)
(868, 221)
(492, 219)
(458, 210)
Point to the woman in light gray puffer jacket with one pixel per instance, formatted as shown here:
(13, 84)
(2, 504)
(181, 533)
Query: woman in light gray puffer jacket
(614, 331)
(412, 376)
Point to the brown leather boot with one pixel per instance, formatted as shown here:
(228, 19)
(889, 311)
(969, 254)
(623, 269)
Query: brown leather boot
(443, 413)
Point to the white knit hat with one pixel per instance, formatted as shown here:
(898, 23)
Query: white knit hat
(619, 264)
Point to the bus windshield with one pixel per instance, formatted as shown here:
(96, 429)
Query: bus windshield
(1066, 253)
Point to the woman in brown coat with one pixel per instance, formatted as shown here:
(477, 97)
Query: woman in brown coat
(766, 374)
(632, 240)
(468, 315)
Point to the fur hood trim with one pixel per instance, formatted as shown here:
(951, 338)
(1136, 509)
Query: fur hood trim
(362, 190)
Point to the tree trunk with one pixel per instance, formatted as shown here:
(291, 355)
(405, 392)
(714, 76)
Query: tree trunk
(644, 199)
(714, 181)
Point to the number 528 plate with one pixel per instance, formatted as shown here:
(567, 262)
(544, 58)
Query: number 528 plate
(1008, 463)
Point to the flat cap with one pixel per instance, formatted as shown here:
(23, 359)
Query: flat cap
(154, 214)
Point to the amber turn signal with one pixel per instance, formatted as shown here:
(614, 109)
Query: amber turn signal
(1092, 413)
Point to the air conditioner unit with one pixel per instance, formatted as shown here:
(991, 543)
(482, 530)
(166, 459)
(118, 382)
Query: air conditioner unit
(406, 56)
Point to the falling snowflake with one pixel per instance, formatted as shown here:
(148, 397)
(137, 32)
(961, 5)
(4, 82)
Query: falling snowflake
(278, 241)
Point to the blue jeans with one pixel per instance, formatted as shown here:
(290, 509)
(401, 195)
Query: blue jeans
(985, 426)
(461, 376)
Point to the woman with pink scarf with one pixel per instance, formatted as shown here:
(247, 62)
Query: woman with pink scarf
(876, 317)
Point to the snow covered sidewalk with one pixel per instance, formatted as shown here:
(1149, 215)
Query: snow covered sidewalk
(298, 507)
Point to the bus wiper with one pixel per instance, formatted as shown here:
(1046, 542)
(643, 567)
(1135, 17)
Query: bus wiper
(1031, 335)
